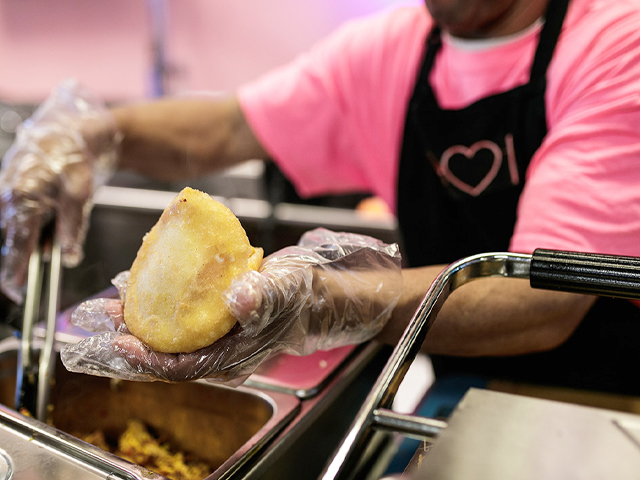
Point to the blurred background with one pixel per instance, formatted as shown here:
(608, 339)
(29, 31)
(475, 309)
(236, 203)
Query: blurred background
(125, 50)
(119, 48)
(131, 49)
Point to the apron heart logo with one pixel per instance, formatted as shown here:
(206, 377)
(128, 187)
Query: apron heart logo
(470, 153)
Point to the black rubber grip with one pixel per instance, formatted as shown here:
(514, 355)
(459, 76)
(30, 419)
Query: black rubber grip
(590, 273)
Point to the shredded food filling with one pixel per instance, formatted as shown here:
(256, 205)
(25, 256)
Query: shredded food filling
(137, 445)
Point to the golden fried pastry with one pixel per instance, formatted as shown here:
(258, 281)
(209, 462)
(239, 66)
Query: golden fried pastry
(173, 300)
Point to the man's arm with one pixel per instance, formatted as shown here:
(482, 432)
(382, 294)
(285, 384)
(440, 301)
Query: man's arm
(181, 138)
(489, 316)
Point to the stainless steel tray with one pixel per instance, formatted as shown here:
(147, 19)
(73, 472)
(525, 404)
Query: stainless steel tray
(223, 426)
(500, 436)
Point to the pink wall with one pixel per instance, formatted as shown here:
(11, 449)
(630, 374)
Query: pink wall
(212, 45)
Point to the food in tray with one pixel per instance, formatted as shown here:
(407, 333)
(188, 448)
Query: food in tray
(173, 300)
(138, 445)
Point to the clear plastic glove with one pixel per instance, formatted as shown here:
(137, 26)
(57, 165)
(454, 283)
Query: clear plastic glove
(330, 290)
(60, 156)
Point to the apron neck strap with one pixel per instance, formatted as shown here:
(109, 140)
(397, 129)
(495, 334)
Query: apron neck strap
(554, 18)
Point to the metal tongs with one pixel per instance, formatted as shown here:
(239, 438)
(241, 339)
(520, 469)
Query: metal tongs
(33, 381)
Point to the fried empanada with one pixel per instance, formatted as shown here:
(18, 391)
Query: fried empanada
(173, 300)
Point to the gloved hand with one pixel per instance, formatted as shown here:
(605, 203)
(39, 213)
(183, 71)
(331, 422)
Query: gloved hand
(60, 156)
(330, 290)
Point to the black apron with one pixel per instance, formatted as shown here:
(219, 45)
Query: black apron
(461, 175)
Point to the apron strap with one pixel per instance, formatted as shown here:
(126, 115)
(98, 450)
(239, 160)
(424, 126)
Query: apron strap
(554, 18)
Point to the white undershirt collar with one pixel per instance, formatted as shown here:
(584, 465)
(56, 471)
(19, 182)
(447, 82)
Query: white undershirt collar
(476, 44)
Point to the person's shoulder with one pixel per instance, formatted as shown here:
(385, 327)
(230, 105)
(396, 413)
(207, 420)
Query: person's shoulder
(396, 16)
(382, 35)
(598, 32)
(406, 21)
(615, 17)
(410, 17)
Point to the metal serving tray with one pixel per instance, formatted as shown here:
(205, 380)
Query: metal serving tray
(223, 426)
(500, 436)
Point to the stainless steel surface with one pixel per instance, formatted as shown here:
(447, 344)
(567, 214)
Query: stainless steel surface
(224, 427)
(498, 436)
(6, 468)
(248, 209)
(36, 451)
(410, 425)
(310, 216)
(245, 180)
(362, 429)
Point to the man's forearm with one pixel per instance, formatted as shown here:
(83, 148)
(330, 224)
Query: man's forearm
(175, 139)
(491, 316)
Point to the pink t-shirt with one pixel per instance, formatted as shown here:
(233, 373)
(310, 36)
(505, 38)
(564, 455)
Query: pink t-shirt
(333, 119)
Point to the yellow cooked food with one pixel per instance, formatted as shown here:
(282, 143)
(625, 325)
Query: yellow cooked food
(173, 300)
(137, 445)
